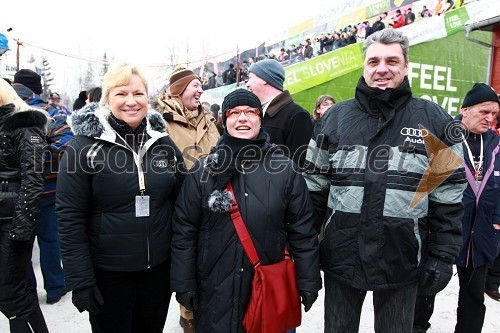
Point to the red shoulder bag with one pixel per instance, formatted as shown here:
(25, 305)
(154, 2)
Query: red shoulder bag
(274, 305)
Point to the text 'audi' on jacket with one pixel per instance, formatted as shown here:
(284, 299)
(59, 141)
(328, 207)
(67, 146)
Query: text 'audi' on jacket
(97, 187)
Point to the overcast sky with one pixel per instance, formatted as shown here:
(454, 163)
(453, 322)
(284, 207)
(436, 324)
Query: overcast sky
(143, 30)
(147, 31)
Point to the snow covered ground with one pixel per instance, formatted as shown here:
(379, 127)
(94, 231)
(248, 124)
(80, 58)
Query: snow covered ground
(63, 317)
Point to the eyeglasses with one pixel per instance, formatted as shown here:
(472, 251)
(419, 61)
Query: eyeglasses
(235, 113)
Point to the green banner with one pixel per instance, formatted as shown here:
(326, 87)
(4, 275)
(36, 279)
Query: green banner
(295, 40)
(455, 20)
(444, 70)
(324, 68)
(378, 8)
(441, 71)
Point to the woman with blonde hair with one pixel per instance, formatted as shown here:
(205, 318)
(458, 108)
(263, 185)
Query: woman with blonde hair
(22, 131)
(117, 184)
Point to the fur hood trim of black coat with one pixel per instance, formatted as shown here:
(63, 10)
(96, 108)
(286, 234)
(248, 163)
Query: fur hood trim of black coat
(24, 119)
(88, 121)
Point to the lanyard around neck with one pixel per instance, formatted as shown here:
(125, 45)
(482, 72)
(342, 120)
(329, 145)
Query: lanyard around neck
(137, 161)
(477, 166)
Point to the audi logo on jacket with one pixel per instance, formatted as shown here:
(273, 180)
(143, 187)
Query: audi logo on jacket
(366, 164)
(96, 190)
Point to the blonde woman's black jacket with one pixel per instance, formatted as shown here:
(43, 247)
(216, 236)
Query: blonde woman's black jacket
(96, 192)
(367, 172)
(21, 156)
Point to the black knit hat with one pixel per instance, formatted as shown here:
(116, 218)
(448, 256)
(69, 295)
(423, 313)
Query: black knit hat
(240, 97)
(29, 79)
(480, 93)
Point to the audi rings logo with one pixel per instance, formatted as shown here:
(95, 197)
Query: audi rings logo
(160, 163)
(408, 131)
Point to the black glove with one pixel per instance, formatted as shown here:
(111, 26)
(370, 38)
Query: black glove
(435, 275)
(89, 299)
(308, 299)
(188, 299)
(21, 245)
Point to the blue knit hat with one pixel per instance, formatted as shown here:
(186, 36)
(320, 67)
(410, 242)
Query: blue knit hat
(269, 70)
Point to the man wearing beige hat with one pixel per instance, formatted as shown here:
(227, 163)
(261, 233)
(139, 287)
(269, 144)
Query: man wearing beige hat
(191, 128)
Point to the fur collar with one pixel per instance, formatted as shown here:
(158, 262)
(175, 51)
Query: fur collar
(86, 121)
(25, 119)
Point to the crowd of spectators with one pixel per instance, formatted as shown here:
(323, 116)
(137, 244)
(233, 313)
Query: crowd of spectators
(329, 41)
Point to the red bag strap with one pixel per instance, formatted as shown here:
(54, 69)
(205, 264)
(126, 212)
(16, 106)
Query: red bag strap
(241, 229)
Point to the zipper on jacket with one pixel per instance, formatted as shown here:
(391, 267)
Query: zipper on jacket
(379, 124)
(149, 258)
(146, 225)
(470, 255)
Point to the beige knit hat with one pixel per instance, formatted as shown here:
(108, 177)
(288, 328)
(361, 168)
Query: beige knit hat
(179, 80)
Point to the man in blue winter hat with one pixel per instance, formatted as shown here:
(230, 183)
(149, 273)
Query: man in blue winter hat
(286, 122)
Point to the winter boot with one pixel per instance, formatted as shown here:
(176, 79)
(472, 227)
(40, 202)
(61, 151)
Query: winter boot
(33, 323)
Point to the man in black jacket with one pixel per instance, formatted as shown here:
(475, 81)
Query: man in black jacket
(379, 24)
(392, 215)
(229, 75)
(286, 122)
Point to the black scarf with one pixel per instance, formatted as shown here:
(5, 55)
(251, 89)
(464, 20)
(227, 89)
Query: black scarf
(231, 152)
(224, 162)
(133, 138)
(386, 102)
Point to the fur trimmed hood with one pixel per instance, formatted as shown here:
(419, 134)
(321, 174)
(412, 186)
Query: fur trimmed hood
(88, 121)
(24, 119)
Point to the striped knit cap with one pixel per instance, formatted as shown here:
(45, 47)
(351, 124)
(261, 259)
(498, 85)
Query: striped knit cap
(179, 80)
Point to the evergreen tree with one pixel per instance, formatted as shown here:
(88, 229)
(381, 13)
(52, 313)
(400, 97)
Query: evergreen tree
(88, 80)
(104, 67)
(48, 80)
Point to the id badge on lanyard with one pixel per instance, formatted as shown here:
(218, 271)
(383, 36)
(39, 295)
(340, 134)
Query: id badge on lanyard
(141, 201)
(141, 205)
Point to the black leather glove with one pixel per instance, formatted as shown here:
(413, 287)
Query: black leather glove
(435, 276)
(21, 245)
(188, 299)
(88, 299)
(308, 299)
